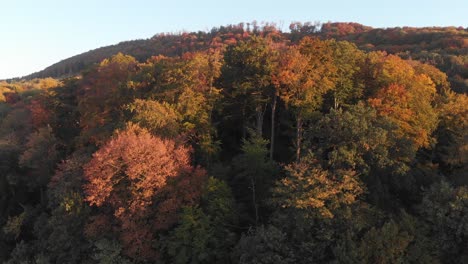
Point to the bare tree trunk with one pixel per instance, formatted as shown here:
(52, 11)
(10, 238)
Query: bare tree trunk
(298, 137)
(272, 138)
(259, 115)
(336, 101)
(254, 199)
(244, 125)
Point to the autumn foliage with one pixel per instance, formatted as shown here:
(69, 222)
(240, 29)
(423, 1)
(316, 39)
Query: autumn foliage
(136, 157)
(333, 143)
(130, 174)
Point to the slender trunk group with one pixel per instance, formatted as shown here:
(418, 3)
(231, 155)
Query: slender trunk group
(244, 125)
(254, 199)
(259, 114)
(259, 128)
(298, 136)
(272, 137)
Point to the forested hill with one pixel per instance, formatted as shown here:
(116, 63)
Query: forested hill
(444, 47)
(242, 145)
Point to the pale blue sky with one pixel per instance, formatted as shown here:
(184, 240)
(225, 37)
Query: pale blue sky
(35, 34)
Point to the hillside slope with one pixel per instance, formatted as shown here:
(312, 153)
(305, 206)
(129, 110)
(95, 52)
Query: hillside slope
(278, 148)
(444, 47)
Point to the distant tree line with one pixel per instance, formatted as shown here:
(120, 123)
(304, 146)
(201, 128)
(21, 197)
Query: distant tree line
(443, 47)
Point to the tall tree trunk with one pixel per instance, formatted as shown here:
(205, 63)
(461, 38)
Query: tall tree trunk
(335, 99)
(244, 123)
(254, 199)
(259, 115)
(298, 136)
(272, 138)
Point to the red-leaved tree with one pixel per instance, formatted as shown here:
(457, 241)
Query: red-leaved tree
(130, 177)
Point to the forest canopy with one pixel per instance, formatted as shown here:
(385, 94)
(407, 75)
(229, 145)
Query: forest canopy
(333, 143)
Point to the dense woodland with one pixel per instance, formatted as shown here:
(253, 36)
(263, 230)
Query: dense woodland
(331, 144)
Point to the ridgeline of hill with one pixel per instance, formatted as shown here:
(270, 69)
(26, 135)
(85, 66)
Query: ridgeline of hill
(444, 47)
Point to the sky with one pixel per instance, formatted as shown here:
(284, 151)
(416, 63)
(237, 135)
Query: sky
(35, 34)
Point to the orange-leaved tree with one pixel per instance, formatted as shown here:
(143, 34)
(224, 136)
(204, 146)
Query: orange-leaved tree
(407, 98)
(304, 75)
(128, 179)
(103, 93)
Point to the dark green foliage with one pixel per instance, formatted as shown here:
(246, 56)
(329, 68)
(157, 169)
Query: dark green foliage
(246, 76)
(194, 240)
(385, 245)
(353, 139)
(315, 207)
(40, 157)
(253, 175)
(451, 150)
(108, 252)
(262, 246)
(390, 243)
(360, 140)
(444, 208)
(204, 233)
(63, 103)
